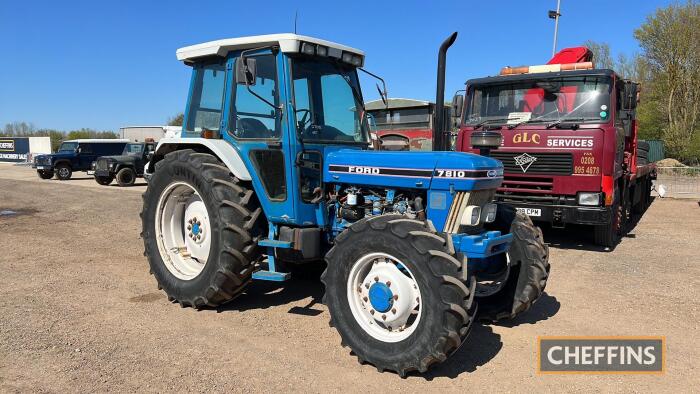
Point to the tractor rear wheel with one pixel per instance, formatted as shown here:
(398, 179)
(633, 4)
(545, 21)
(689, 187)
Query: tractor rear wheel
(397, 293)
(522, 272)
(200, 229)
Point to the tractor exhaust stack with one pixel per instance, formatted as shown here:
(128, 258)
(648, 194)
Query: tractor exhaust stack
(439, 135)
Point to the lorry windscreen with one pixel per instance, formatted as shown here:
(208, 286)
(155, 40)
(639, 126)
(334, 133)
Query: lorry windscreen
(585, 99)
(327, 102)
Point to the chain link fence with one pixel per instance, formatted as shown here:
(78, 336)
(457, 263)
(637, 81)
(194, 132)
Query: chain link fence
(678, 182)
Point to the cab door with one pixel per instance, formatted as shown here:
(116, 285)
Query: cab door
(255, 125)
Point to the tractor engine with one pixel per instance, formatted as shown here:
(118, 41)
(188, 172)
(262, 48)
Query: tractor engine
(354, 203)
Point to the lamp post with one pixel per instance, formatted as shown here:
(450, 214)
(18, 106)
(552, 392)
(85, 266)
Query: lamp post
(555, 15)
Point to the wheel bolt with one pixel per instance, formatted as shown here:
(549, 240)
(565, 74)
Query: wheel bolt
(189, 227)
(417, 299)
(371, 311)
(359, 289)
(199, 237)
(388, 283)
(396, 297)
(383, 317)
(364, 299)
(376, 279)
(393, 311)
(367, 285)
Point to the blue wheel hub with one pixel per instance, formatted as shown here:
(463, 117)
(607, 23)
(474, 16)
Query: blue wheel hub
(195, 229)
(381, 297)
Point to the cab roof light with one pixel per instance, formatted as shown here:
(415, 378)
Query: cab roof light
(308, 49)
(546, 68)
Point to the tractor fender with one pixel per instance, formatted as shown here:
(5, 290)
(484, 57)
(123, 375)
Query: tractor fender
(217, 147)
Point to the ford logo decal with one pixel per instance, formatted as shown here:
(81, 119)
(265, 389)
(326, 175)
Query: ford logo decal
(492, 173)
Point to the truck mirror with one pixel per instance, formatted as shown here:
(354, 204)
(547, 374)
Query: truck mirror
(631, 95)
(457, 106)
(246, 71)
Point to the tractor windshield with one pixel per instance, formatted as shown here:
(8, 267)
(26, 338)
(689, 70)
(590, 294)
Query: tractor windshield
(580, 99)
(328, 103)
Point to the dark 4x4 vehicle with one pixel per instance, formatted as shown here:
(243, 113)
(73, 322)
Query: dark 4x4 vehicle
(75, 155)
(125, 167)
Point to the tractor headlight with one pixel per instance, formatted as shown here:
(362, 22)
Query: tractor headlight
(590, 199)
(490, 212)
(471, 215)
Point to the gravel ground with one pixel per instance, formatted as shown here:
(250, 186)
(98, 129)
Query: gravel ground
(81, 313)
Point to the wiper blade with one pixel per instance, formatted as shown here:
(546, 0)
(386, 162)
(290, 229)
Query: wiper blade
(574, 122)
(514, 125)
(488, 121)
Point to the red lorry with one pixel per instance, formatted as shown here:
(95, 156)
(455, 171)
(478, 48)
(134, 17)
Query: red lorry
(403, 124)
(570, 149)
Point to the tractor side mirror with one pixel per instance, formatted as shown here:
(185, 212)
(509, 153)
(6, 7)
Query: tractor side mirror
(246, 71)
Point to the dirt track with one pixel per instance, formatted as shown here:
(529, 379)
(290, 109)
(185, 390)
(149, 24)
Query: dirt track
(81, 313)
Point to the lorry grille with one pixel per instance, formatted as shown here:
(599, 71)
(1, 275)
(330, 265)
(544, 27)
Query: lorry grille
(544, 163)
(460, 203)
(101, 165)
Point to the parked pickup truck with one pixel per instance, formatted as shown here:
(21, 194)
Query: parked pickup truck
(125, 168)
(75, 155)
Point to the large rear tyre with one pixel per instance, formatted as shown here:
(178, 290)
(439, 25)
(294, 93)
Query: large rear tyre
(521, 274)
(200, 229)
(397, 293)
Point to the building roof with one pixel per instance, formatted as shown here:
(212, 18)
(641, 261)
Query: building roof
(288, 43)
(395, 103)
(97, 140)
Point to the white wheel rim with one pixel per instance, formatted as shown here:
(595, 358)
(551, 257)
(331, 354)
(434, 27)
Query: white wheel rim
(63, 172)
(183, 230)
(370, 278)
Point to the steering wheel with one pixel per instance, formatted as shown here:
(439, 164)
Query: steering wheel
(306, 118)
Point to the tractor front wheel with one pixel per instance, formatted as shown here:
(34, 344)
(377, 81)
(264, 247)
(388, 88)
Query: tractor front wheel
(397, 293)
(200, 229)
(520, 274)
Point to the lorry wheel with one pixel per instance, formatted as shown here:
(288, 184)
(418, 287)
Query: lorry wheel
(521, 273)
(126, 177)
(200, 227)
(44, 174)
(396, 293)
(63, 172)
(608, 235)
(104, 180)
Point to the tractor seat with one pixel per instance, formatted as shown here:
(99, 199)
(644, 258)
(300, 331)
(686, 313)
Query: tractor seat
(253, 128)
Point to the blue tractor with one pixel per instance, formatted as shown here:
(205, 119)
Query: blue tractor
(273, 171)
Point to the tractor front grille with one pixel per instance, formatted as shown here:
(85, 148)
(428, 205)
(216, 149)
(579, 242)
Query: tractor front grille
(461, 201)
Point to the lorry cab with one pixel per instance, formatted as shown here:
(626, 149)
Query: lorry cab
(569, 139)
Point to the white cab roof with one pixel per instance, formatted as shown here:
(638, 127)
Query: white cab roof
(98, 140)
(288, 43)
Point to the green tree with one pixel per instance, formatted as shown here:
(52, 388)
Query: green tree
(601, 54)
(90, 133)
(176, 120)
(670, 41)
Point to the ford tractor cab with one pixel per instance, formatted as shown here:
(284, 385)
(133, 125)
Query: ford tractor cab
(273, 171)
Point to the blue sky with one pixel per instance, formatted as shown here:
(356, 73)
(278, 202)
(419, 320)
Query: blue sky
(106, 64)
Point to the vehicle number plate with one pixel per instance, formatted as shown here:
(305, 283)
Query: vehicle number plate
(530, 211)
(90, 172)
(40, 167)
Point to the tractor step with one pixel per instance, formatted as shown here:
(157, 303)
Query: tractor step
(272, 243)
(271, 276)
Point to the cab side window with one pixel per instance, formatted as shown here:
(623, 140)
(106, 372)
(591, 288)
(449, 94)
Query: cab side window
(207, 98)
(251, 117)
